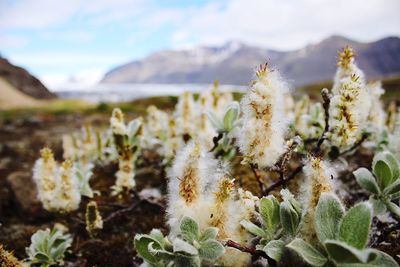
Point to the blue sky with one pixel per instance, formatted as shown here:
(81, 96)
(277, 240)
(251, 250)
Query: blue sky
(57, 40)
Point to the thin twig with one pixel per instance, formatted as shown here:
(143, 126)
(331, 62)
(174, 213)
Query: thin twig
(284, 181)
(216, 140)
(258, 177)
(122, 211)
(327, 100)
(356, 145)
(250, 250)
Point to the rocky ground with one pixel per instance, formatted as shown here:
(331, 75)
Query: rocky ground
(21, 214)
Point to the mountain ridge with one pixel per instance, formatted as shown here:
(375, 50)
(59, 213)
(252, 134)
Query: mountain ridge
(23, 81)
(234, 63)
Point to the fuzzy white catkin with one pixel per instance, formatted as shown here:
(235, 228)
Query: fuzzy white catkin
(377, 115)
(45, 177)
(346, 68)
(351, 102)
(206, 132)
(58, 187)
(69, 195)
(241, 208)
(348, 112)
(156, 124)
(117, 122)
(185, 115)
(318, 179)
(189, 185)
(125, 175)
(261, 138)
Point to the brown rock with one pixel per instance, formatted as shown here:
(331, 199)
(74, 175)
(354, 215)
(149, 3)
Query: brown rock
(24, 189)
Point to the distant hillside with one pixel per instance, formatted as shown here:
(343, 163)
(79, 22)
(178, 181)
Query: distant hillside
(22, 80)
(234, 63)
(10, 97)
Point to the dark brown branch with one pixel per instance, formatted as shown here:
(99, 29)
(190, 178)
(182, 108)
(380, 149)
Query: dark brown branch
(258, 177)
(122, 211)
(250, 250)
(356, 145)
(284, 181)
(327, 100)
(216, 140)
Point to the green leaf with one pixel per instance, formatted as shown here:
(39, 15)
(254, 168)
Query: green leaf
(354, 228)
(184, 247)
(274, 249)
(133, 127)
(189, 229)
(161, 253)
(383, 173)
(393, 188)
(382, 259)
(386, 168)
(209, 233)
(328, 214)
(269, 210)
(393, 208)
(288, 197)
(378, 205)
(366, 180)
(252, 228)
(142, 247)
(341, 252)
(215, 121)
(289, 218)
(187, 261)
(211, 250)
(393, 163)
(231, 115)
(395, 196)
(308, 253)
(158, 235)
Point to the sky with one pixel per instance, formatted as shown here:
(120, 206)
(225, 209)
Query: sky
(79, 40)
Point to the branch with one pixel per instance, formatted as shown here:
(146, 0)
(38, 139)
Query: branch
(284, 181)
(327, 100)
(216, 140)
(256, 173)
(250, 250)
(356, 145)
(122, 211)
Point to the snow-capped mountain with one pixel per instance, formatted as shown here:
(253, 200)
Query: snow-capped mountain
(234, 63)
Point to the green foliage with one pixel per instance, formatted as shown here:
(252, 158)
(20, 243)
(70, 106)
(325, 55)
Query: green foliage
(229, 120)
(342, 236)
(307, 252)
(383, 184)
(48, 247)
(355, 225)
(328, 215)
(279, 223)
(189, 248)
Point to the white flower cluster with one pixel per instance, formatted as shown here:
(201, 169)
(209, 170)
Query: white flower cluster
(58, 186)
(309, 120)
(169, 132)
(127, 140)
(350, 104)
(199, 187)
(377, 115)
(262, 136)
(81, 147)
(318, 179)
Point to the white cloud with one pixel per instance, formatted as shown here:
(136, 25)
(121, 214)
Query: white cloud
(8, 40)
(65, 59)
(289, 24)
